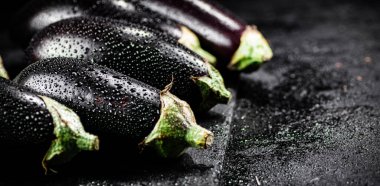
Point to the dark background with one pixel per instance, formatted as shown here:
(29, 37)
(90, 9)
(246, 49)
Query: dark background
(310, 116)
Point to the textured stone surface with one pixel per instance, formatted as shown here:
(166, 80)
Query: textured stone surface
(311, 116)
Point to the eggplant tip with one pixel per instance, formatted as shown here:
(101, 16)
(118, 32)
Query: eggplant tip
(200, 138)
(176, 130)
(209, 140)
(3, 71)
(253, 50)
(191, 41)
(212, 89)
(70, 136)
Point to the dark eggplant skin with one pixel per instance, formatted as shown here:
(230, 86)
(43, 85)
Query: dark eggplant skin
(107, 103)
(111, 104)
(32, 121)
(136, 51)
(24, 120)
(38, 14)
(219, 31)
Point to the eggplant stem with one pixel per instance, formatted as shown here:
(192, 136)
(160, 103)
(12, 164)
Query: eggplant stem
(3, 71)
(212, 89)
(71, 137)
(176, 129)
(253, 50)
(191, 41)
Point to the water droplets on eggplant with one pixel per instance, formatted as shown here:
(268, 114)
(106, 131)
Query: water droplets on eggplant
(130, 49)
(107, 101)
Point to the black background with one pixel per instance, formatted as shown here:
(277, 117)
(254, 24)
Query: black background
(310, 116)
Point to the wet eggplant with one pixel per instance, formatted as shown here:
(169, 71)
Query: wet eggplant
(38, 14)
(111, 104)
(30, 120)
(230, 39)
(136, 51)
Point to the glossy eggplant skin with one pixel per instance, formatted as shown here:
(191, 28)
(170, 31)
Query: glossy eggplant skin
(25, 121)
(218, 30)
(133, 50)
(108, 103)
(38, 14)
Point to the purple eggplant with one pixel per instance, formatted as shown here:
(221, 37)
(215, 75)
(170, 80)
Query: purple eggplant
(31, 120)
(116, 106)
(39, 14)
(136, 51)
(230, 39)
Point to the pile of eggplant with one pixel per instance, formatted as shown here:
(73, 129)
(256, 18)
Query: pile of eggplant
(132, 71)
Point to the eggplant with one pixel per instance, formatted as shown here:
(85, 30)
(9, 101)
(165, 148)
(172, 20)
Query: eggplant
(31, 120)
(38, 14)
(227, 37)
(135, 51)
(116, 106)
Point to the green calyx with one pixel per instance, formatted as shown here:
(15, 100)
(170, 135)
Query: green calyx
(176, 129)
(212, 89)
(70, 135)
(191, 41)
(3, 72)
(253, 50)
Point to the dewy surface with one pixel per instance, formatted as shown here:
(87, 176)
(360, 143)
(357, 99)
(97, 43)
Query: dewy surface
(309, 116)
